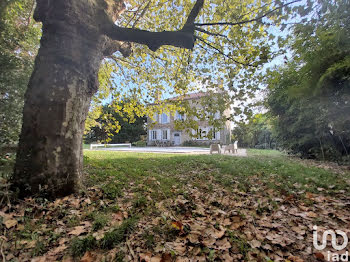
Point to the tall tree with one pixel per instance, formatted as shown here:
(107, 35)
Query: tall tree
(113, 126)
(310, 95)
(255, 133)
(78, 34)
(19, 42)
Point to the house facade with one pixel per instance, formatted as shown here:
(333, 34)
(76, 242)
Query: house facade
(162, 129)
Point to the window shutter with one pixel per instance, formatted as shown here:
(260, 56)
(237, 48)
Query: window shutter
(168, 134)
(218, 135)
(150, 135)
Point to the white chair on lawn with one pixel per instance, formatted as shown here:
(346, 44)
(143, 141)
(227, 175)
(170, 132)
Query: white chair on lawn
(215, 148)
(235, 147)
(229, 148)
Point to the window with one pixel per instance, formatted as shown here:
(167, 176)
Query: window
(165, 134)
(212, 132)
(200, 133)
(179, 116)
(164, 118)
(153, 134)
(156, 117)
(215, 135)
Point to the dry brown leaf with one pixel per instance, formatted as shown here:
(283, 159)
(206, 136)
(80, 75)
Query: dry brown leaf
(118, 216)
(223, 244)
(156, 259)
(75, 202)
(312, 214)
(77, 231)
(40, 259)
(28, 244)
(209, 242)
(180, 248)
(88, 257)
(295, 259)
(299, 230)
(255, 243)
(10, 223)
(181, 259)
(166, 257)
(319, 256)
(145, 257)
(220, 232)
(193, 237)
(309, 195)
(86, 224)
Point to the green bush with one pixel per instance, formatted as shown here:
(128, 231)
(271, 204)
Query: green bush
(197, 143)
(140, 143)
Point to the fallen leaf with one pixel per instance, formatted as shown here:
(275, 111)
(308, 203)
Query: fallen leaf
(177, 225)
(319, 255)
(255, 243)
(77, 231)
(156, 259)
(166, 257)
(312, 214)
(295, 259)
(223, 244)
(88, 257)
(193, 237)
(145, 257)
(58, 250)
(10, 223)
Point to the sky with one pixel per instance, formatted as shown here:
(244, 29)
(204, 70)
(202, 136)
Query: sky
(200, 86)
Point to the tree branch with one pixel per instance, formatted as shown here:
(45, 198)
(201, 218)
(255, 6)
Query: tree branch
(222, 53)
(209, 33)
(142, 14)
(189, 25)
(250, 20)
(183, 38)
(112, 46)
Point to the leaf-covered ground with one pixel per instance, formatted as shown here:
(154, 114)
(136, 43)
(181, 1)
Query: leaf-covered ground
(153, 207)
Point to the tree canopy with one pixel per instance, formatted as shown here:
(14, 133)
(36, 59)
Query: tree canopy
(233, 40)
(309, 96)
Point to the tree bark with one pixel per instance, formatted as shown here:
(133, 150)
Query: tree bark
(49, 158)
(77, 34)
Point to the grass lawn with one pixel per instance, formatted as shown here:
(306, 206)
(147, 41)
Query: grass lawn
(174, 207)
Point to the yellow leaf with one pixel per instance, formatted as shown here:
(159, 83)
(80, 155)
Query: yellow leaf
(177, 225)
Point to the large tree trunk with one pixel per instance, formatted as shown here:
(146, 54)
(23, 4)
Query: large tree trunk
(77, 34)
(49, 158)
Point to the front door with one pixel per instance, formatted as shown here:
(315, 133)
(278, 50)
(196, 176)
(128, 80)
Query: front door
(177, 139)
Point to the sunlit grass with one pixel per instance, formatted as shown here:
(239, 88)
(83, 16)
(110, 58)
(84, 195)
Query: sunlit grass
(176, 170)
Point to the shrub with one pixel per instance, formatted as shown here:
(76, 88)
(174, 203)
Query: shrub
(140, 143)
